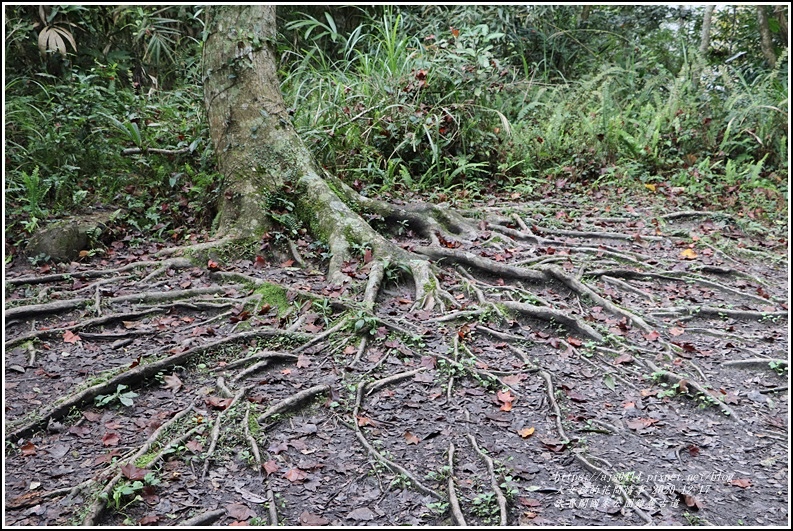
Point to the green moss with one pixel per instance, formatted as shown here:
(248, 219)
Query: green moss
(144, 460)
(275, 296)
(253, 426)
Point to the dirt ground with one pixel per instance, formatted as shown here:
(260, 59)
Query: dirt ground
(642, 380)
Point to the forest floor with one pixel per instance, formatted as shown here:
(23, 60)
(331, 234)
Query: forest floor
(644, 381)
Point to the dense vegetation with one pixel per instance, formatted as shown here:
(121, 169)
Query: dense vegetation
(451, 102)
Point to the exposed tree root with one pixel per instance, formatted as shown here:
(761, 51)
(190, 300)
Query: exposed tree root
(500, 498)
(204, 518)
(454, 503)
(395, 468)
(475, 318)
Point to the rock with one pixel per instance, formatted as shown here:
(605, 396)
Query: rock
(63, 240)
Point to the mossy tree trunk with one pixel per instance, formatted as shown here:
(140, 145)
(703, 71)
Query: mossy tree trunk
(260, 153)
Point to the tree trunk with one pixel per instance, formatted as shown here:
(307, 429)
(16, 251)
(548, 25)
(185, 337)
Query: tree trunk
(704, 43)
(780, 12)
(261, 155)
(583, 17)
(765, 37)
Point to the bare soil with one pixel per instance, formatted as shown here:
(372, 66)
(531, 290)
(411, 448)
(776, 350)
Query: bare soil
(642, 380)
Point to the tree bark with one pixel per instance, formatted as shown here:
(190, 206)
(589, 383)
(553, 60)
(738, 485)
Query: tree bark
(781, 13)
(765, 37)
(704, 42)
(260, 153)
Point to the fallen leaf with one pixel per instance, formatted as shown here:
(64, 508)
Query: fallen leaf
(574, 341)
(134, 473)
(217, 402)
(652, 336)
(212, 265)
(149, 519)
(295, 474)
(506, 398)
(270, 467)
(640, 423)
(361, 514)
(69, 337)
(306, 518)
(172, 382)
(676, 331)
(28, 448)
(364, 421)
(239, 511)
(110, 439)
(688, 254)
(623, 358)
(526, 432)
(410, 438)
(195, 446)
(743, 483)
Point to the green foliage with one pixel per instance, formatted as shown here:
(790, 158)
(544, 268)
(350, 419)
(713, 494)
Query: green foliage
(397, 112)
(126, 489)
(120, 396)
(451, 101)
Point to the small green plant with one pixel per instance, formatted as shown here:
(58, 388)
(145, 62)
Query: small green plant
(692, 518)
(778, 367)
(121, 396)
(484, 505)
(438, 507)
(365, 323)
(125, 489)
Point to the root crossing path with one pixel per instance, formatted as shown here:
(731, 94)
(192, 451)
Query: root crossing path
(556, 366)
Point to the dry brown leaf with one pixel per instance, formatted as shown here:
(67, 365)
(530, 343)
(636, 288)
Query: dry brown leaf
(172, 382)
(410, 438)
(526, 432)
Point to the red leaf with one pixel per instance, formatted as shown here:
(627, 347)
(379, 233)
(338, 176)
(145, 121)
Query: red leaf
(134, 473)
(574, 341)
(239, 511)
(623, 358)
(259, 262)
(28, 448)
(295, 474)
(410, 438)
(217, 402)
(195, 446)
(149, 519)
(308, 519)
(271, 467)
(288, 263)
(506, 398)
(69, 337)
(212, 265)
(110, 439)
(652, 336)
